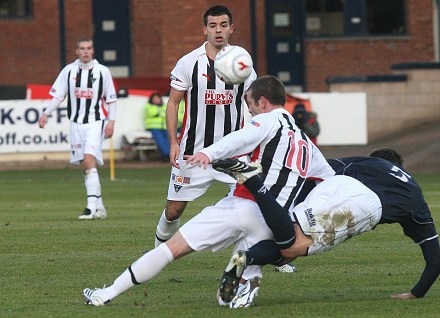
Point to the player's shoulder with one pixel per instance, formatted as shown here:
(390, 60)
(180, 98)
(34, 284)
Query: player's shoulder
(192, 56)
(267, 119)
(99, 66)
(70, 66)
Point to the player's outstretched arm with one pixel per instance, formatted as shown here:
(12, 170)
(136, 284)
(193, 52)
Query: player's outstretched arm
(431, 254)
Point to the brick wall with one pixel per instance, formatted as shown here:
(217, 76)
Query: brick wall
(30, 47)
(166, 30)
(396, 106)
(367, 56)
(163, 31)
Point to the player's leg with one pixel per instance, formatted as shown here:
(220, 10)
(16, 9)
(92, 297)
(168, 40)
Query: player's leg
(276, 217)
(337, 209)
(215, 228)
(142, 270)
(92, 155)
(186, 184)
(169, 221)
(231, 279)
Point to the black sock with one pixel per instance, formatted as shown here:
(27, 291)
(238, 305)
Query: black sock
(276, 217)
(263, 253)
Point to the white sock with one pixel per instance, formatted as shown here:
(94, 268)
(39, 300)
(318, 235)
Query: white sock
(99, 203)
(144, 269)
(165, 229)
(93, 188)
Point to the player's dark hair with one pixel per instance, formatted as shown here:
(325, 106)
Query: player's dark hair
(217, 11)
(270, 87)
(388, 154)
(84, 39)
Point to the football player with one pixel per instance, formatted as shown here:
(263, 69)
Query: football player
(365, 192)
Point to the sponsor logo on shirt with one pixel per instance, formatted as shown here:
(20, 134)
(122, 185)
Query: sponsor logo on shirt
(212, 97)
(310, 216)
(256, 124)
(84, 93)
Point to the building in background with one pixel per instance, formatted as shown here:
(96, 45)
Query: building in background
(303, 42)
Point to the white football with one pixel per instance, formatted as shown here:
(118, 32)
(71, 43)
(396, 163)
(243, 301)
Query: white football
(233, 64)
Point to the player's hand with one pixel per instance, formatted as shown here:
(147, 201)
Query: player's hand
(174, 155)
(43, 120)
(403, 296)
(199, 159)
(109, 129)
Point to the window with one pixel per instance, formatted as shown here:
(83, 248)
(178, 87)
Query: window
(355, 17)
(15, 8)
(385, 17)
(325, 17)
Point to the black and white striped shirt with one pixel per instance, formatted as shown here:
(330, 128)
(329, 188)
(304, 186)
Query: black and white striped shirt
(213, 109)
(287, 155)
(88, 91)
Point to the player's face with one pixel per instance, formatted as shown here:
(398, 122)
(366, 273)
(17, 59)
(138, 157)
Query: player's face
(253, 105)
(218, 31)
(85, 51)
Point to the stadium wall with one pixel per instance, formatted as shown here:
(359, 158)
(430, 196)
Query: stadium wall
(162, 31)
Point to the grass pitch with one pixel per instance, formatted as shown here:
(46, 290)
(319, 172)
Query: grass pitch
(48, 256)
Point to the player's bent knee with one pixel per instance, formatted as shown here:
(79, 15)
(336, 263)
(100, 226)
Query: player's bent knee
(174, 210)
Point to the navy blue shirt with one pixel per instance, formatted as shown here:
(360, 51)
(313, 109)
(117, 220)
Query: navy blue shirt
(401, 197)
(402, 202)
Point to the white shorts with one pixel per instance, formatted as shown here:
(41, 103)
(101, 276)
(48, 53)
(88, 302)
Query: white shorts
(191, 181)
(86, 139)
(232, 220)
(336, 210)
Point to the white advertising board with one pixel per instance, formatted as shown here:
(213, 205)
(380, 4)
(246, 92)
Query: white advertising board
(19, 131)
(342, 118)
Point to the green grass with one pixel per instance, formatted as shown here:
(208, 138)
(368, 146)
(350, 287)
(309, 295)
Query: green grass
(47, 257)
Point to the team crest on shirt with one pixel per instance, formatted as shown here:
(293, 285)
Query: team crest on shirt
(213, 97)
